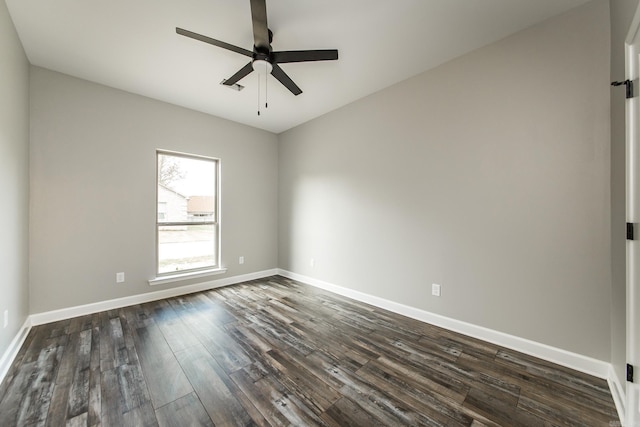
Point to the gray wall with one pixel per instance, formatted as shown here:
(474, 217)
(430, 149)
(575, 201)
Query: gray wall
(622, 12)
(488, 175)
(93, 189)
(14, 180)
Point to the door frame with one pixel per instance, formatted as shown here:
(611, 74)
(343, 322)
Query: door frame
(632, 202)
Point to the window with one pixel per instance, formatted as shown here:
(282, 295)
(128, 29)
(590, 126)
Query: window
(187, 233)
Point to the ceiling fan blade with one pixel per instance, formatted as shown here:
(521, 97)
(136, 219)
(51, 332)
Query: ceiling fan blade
(304, 55)
(279, 74)
(242, 72)
(214, 42)
(260, 27)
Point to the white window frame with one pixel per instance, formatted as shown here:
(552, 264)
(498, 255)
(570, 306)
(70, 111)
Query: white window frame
(171, 276)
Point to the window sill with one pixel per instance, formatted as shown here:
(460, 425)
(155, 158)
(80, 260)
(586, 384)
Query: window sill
(185, 276)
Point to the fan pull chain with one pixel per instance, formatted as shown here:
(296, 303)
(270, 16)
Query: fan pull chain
(266, 93)
(258, 95)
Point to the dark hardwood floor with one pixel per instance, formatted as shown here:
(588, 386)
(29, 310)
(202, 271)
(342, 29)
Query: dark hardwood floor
(277, 352)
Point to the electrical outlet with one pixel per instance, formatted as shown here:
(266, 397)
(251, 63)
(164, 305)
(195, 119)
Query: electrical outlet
(6, 318)
(435, 289)
(312, 262)
(120, 277)
(241, 260)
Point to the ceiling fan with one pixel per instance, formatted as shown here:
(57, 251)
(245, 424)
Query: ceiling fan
(263, 57)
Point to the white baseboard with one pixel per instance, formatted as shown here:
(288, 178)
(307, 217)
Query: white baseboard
(618, 393)
(14, 347)
(81, 310)
(562, 357)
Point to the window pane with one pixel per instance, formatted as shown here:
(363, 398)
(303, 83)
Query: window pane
(186, 189)
(185, 247)
(186, 198)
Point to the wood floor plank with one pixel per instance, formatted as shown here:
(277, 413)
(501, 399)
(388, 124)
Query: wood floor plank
(260, 397)
(425, 402)
(274, 333)
(433, 369)
(561, 413)
(250, 342)
(71, 392)
(123, 389)
(177, 334)
(79, 393)
(78, 421)
(27, 400)
(543, 386)
(595, 387)
(212, 385)
(186, 411)
(195, 312)
(497, 411)
(217, 309)
(276, 352)
(95, 388)
(143, 415)
(217, 341)
(113, 348)
(58, 408)
(162, 372)
(57, 329)
(12, 399)
(369, 396)
(81, 323)
(17, 363)
(275, 401)
(228, 353)
(461, 343)
(346, 413)
(316, 395)
(325, 332)
(456, 391)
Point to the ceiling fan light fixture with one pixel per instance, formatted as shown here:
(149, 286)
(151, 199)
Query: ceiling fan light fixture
(261, 66)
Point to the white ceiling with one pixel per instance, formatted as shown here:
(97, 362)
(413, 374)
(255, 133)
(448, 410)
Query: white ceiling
(132, 45)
